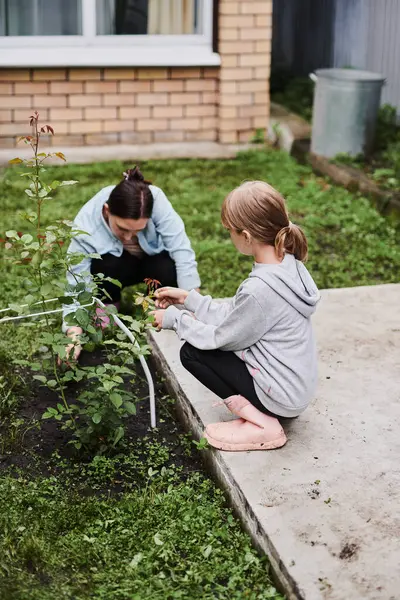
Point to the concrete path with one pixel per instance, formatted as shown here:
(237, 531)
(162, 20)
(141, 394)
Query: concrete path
(326, 507)
(89, 154)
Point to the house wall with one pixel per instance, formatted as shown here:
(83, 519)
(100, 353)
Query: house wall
(145, 105)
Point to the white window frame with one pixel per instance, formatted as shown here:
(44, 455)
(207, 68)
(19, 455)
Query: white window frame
(91, 50)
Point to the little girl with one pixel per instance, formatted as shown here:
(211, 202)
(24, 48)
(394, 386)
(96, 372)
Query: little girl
(257, 351)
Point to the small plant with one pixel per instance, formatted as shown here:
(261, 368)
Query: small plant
(96, 415)
(259, 136)
(202, 444)
(146, 301)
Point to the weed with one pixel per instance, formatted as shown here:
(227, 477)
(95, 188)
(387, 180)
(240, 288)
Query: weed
(202, 444)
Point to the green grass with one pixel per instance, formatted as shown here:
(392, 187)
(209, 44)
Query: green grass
(168, 538)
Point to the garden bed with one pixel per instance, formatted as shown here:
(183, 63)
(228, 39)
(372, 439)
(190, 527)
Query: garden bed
(34, 442)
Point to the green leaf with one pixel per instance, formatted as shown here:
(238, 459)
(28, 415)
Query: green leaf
(135, 326)
(42, 193)
(119, 434)
(26, 238)
(11, 233)
(130, 408)
(114, 281)
(40, 378)
(52, 383)
(85, 297)
(82, 317)
(207, 551)
(108, 385)
(50, 237)
(157, 540)
(36, 259)
(116, 399)
(51, 411)
(29, 193)
(55, 184)
(96, 418)
(66, 299)
(46, 289)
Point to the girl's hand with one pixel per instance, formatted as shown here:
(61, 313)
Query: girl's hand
(167, 296)
(158, 318)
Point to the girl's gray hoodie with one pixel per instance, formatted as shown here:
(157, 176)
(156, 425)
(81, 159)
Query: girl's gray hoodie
(268, 325)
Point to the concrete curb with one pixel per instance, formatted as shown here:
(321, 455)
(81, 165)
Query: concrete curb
(89, 154)
(224, 477)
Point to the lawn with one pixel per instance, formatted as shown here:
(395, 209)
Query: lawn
(148, 522)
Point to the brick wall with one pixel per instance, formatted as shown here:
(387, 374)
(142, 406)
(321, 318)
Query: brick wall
(123, 105)
(245, 31)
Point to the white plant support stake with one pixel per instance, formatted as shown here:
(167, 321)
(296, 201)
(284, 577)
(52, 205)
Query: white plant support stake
(120, 324)
(142, 361)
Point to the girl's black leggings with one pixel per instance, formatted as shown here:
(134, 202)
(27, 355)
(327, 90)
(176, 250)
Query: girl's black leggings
(221, 372)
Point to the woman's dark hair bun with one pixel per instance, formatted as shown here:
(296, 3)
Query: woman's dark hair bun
(132, 197)
(135, 174)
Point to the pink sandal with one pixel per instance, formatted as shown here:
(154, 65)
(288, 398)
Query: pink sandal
(253, 430)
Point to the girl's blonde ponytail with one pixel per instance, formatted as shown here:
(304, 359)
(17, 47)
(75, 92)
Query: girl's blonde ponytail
(293, 240)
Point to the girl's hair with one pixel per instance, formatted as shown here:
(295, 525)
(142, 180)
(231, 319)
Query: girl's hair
(132, 197)
(259, 209)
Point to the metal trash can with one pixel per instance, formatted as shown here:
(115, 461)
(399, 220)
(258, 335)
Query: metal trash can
(346, 104)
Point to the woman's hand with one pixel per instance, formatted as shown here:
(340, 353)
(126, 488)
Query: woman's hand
(167, 296)
(73, 333)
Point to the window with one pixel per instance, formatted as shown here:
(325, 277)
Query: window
(106, 33)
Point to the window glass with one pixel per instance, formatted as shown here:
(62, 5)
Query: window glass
(40, 17)
(154, 17)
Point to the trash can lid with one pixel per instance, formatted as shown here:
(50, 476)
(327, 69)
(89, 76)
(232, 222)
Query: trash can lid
(349, 75)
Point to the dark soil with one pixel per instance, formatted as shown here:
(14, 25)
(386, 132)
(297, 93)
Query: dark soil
(38, 441)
